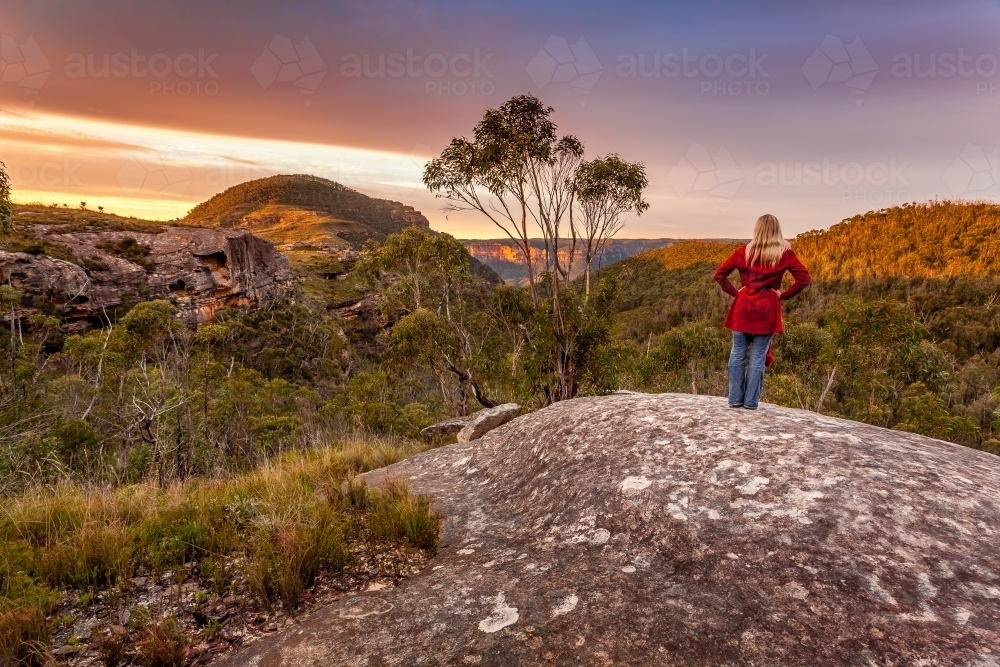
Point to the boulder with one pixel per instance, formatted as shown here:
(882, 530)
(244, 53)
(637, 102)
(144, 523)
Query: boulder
(671, 530)
(446, 427)
(486, 420)
(198, 270)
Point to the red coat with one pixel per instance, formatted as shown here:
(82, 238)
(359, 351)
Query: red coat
(757, 307)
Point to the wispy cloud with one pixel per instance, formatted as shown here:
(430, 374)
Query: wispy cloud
(194, 97)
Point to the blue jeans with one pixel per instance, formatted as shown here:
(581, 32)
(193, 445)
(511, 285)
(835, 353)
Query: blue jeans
(745, 384)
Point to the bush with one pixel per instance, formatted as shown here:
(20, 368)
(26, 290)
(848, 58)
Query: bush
(131, 250)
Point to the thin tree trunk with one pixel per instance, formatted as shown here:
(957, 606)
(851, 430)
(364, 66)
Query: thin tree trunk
(443, 383)
(531, 273)
(826, 390)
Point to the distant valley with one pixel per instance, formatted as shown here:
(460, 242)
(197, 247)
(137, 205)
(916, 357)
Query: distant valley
(507, 260)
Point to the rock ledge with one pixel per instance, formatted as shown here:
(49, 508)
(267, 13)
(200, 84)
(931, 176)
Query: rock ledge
(670, 530)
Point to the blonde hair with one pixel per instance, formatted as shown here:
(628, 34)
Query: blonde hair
(768, 245)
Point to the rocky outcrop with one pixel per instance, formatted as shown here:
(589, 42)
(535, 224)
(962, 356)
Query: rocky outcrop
(670, 530)
(446, 427)
(199, 270)
(486, 420)
(474, 426)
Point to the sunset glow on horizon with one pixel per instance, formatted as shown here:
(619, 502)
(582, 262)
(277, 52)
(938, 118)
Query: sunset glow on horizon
(160, 174)
(813, 113)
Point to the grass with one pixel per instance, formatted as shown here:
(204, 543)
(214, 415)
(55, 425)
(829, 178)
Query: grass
(285, 522)
(24, 635)
(81, 220)
(286, 225)
(316, 271)
(163, 646)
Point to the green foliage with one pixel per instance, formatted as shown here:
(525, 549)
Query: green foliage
(415, 268)
(369, 402)
(871, 341)
(421, 336)
(685, 357)
(666, 287)
(609, 186)
(924, 411)
(16, 239)
(9, 297)
(292, 341)
(129, 249)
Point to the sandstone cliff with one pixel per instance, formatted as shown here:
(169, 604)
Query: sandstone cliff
(504, 257)
(671, 530)
(199, 270)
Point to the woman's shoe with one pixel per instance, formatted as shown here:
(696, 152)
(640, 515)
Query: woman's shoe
(736, 406)
(747, 407)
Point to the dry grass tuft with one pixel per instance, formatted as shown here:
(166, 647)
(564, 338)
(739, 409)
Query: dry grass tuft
(24, 637)
(164, 645)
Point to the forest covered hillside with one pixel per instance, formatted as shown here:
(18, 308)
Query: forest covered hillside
(929, 240)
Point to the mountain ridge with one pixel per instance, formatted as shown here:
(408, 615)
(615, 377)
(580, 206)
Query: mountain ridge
(507, 260)
(304, 210)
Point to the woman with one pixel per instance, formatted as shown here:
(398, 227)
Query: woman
(755, 314)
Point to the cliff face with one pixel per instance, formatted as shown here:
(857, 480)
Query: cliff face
(198, 270)
(504, 257)
(672, 530)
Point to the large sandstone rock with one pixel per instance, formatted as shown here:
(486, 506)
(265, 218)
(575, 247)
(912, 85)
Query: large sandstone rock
(486, 420)
(199, 270)
(671, 530)
(448, 426)
(471, 427)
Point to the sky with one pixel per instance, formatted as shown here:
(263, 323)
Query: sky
(812, 111)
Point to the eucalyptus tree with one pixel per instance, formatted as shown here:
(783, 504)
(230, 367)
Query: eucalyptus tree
(552, 188)
(423, 281)
(519, 173)
(493, 173)
(605, 190)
